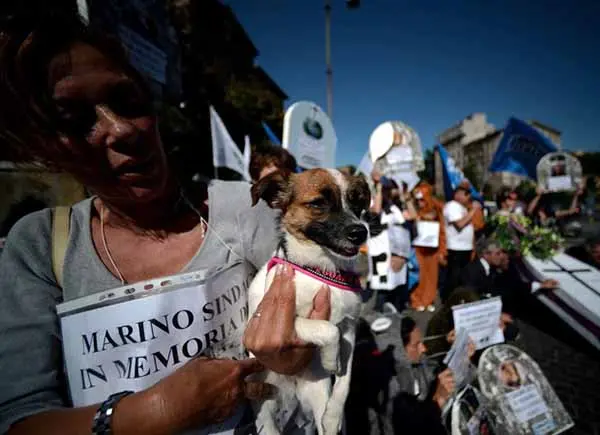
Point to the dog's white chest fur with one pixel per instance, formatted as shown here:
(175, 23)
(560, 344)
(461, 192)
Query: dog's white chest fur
(334, 339)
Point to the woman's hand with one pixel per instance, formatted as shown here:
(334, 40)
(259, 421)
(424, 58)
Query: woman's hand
(202, 392)
(445, 388)
(442, 259)
(451, 337)
(270, 334)
(376, 176)
(505, 319)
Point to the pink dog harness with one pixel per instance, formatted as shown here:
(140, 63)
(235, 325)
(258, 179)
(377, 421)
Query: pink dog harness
(349, 281)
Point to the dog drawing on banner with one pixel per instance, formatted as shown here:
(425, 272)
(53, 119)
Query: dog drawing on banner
(320, 237)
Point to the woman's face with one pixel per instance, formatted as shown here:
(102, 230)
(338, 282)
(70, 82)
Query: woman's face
(107, 127)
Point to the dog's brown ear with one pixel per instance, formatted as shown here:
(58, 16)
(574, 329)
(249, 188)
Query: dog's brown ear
(274, 189)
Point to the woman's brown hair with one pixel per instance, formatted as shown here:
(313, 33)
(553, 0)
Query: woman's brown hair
(28, 119)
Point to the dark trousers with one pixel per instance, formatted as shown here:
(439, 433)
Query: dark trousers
(457, 260)
(397, 297)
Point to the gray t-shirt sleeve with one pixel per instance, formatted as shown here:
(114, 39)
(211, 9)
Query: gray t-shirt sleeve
(31, 375)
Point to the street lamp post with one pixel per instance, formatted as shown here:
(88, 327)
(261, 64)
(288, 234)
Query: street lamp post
(350, 4)
(329, 70)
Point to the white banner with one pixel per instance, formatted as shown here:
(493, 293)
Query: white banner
(482, 320)
(132, 344)
(365, 166)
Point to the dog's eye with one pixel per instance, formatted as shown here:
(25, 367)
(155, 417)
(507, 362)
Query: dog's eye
(317, 203)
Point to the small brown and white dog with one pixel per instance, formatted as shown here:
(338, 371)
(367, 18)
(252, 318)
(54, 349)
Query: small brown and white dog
(320, 237)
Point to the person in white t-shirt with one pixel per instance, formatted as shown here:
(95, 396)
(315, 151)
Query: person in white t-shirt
(460, 235)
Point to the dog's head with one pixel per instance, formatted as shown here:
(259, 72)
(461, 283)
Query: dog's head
(320, 207)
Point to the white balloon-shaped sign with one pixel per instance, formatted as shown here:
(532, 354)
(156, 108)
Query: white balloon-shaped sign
(381, 140)
(309, 135)
(395, 149)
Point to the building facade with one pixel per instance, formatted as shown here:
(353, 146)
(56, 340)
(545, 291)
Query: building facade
(472, 144)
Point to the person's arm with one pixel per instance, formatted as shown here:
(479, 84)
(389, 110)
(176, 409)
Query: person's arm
(453, 212)
(535, 201)
(130, 417)
(178, 402)
(573, 209)
(377, 205)
(411, 211)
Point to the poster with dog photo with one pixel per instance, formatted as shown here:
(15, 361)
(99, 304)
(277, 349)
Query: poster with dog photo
(520, 396)
(559, 172)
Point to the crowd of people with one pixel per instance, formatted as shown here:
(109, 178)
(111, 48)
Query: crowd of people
(460, 224)
(466, 263)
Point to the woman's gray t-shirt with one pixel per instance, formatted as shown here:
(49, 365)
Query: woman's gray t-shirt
(31, 367)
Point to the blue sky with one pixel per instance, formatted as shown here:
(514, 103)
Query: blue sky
(431, 63)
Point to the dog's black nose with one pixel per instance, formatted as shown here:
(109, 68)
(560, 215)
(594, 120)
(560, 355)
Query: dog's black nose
(357, 234)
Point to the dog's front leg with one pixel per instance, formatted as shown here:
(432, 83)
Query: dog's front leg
(323, 334)
(332, 419)
(313, 393)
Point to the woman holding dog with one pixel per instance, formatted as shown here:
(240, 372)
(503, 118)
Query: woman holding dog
(71, 100)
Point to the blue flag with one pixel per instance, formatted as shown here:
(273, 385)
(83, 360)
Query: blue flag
(453, 176)
(520, 149)
(270, 134)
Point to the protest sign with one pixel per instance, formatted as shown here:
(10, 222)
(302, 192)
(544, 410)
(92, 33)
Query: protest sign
(526, 403)
(558, 172)
(309, 135)
(131, 337)
(519, 393)
(470, 414)
(457, 358)
(482, 320)
(428, 234)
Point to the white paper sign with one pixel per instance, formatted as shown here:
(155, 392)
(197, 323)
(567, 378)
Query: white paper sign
(457, 358)
(428, 234)
(563, 182)
(131, 345)
(399, 154)
(482, 320)
(527, 403)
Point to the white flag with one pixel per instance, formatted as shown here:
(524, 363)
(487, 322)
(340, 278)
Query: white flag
(366, 165)
(247, 152)
(225, 151)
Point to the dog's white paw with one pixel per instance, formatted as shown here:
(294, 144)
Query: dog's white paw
(331, 424)
(333, 417)
(331, 363)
